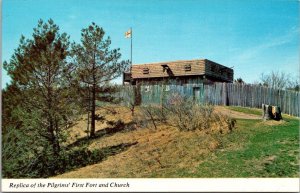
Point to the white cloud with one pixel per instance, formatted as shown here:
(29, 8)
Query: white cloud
(251, 62)
(72, 16)
(253, 52)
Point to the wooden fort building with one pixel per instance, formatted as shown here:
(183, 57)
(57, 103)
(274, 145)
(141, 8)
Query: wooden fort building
(178, 72)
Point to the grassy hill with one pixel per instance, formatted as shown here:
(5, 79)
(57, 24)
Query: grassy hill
(253, 149)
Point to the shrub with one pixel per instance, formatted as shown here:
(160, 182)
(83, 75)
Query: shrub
(222, 123)
(149, 115)
(187, 115)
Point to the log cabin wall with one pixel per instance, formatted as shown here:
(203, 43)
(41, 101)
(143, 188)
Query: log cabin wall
(171, 80)
(181, 72)
(218, 71)
(197, 67)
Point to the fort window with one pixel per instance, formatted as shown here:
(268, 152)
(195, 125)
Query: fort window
(145, 70)
(167, 88)
(147, 88)
(187, 67)
(179, 72)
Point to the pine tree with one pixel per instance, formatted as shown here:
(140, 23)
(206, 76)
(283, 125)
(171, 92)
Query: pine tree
(42, 74)
(97, 66)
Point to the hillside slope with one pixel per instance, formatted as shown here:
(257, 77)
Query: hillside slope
(167, 152)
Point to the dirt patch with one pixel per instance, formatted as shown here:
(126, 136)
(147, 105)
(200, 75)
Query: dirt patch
(112, 113)
(235, 114)
(269, 159)
(272, 122)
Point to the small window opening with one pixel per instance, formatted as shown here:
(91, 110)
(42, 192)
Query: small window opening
(145, 70)
(147, 88)
(187, 67)
(167, 88)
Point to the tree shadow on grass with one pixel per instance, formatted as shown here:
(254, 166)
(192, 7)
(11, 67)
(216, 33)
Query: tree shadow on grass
(116, 127)
(77, 154)
(80, 157)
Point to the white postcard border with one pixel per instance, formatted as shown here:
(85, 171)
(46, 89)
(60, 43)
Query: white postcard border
(153, 185)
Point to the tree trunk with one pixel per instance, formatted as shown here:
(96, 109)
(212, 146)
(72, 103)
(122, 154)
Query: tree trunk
(53, 140)
(88, 124)
(89, 110)
(55, 146)
(271, 112)
(53, 127)
(93, 112)
(93, 115)
(132, 109)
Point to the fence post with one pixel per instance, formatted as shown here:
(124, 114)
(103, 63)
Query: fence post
(137, 94)
(225, 94)
(219, 94)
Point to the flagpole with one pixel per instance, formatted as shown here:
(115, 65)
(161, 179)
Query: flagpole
(131, 47)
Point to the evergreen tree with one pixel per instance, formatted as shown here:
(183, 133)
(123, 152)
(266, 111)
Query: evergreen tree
(97, 66)
(43, 77)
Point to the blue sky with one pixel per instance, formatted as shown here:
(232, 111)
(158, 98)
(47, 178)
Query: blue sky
(253, 36)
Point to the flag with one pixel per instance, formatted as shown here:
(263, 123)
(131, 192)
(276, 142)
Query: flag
(128, 34)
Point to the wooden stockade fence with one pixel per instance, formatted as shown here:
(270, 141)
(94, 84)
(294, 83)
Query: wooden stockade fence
(216, 94)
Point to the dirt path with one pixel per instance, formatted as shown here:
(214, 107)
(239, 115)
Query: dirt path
(235, 114)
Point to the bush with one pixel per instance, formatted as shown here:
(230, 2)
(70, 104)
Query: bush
(222, 123)
(187, 115)
(45, 164)
(149, 116)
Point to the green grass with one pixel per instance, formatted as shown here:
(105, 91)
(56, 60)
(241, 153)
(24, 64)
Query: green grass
(254, 149)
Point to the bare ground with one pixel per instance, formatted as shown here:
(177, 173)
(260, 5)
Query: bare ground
(235, 114)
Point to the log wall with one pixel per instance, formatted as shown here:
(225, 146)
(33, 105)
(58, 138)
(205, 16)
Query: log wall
(178, 69)
(219, 94)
